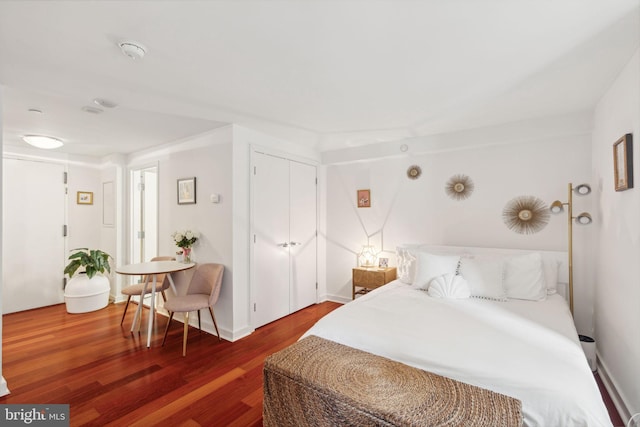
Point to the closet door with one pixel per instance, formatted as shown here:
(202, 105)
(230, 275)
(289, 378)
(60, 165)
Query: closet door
(302, 229)
(270, 269)
(33, 243)
(283, 262)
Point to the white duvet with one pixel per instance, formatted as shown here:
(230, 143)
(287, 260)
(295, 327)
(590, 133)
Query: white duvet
(524, 349)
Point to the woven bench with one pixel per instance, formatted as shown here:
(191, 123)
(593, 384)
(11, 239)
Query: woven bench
(316, 382)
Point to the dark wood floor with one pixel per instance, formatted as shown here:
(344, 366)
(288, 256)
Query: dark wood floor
(110, 378)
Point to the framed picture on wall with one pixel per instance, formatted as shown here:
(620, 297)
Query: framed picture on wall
(623, 163)
(364, 198)
(84, 198)
(187, 191)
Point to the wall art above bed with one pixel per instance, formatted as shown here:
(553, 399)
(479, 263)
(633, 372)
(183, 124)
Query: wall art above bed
(459, 187)
(526, 214)
(364, 198)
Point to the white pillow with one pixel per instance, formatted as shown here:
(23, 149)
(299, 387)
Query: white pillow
(551, 269)
(449, 285)
(406, 265)
(524, 277)
(485, 277)
(429, 266)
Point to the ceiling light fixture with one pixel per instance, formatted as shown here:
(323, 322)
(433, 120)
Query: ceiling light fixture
(133, 50)
(41, 141)
(105, 103)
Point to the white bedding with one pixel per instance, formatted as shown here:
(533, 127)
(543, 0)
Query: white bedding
(524, 349)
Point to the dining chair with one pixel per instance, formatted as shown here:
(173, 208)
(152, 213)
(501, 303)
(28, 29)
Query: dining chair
(162, 284)
(203, 292)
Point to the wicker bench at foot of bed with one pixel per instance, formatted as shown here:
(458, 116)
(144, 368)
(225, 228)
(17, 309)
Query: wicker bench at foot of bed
(316, 382)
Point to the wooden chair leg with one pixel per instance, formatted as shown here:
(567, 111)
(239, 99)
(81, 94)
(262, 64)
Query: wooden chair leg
(164, 296)
(166, 330)
(199, 325)
(215, 325)
(186, 330)
(125, 309)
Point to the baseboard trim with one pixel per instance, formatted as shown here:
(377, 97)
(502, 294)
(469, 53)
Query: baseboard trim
(612, 389)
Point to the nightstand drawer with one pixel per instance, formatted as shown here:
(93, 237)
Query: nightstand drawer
(371, 278)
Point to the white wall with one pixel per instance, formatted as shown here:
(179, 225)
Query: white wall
(84, 220)
(617, 273)
(206, 157)
(220, 160)
(537, 158)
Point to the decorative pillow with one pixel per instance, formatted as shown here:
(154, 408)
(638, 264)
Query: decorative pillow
(406, 266)
(429, 266)
(449, 285)
(551, 268)
(524, 277)
(485, 277)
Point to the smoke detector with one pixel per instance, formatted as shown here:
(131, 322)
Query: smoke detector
(133, 50)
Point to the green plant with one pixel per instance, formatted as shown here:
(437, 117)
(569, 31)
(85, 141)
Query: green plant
(94, 261)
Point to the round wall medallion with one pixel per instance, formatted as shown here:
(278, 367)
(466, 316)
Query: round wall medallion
(414, 172)
(459, 187)
(526, 214)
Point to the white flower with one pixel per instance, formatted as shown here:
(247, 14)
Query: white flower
(186, 238)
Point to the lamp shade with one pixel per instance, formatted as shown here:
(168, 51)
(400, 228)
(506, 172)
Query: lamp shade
(584, 218)
(582, 189)
(368, 256)
(556, 207)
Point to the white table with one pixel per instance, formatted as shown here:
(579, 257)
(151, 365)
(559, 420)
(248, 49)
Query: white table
(151, 269)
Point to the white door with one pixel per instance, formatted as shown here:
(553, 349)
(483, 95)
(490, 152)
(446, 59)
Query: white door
(33, 244)
(144, 214)
(284, 232)
(302, 235)
(271, 239)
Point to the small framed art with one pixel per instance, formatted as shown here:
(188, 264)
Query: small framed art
(364, 198)
(187, 191)
(84, 198)
(623, 163)
(383, 262)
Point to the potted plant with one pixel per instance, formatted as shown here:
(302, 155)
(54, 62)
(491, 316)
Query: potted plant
(89, 289)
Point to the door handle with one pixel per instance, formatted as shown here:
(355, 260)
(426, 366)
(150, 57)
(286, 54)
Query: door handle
(284, 245)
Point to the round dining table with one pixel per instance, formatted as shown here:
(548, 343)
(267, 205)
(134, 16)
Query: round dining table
(150, 270)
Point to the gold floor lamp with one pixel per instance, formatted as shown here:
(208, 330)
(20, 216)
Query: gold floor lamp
(583, 219)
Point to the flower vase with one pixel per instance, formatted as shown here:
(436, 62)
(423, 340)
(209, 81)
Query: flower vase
(186, 255)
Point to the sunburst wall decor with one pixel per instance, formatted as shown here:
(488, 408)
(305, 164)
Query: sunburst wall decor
(414, 172)
(459, 187)
(526, 214)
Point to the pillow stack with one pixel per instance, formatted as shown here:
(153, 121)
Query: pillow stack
(494, 277)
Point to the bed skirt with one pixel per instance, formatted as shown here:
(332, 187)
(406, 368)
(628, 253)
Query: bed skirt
(317, 382)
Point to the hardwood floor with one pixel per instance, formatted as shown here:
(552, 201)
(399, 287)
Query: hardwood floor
(109, 377)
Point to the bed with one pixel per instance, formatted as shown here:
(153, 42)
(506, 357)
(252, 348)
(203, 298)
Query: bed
(508, 329)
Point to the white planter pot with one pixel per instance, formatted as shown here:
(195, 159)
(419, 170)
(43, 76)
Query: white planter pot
(82, 294)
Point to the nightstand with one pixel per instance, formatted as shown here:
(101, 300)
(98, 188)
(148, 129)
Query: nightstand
(370, 278)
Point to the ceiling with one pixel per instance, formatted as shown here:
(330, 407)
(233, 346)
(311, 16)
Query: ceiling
(325, 73)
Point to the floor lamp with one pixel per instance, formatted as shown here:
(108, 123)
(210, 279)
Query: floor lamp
(583, 219)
